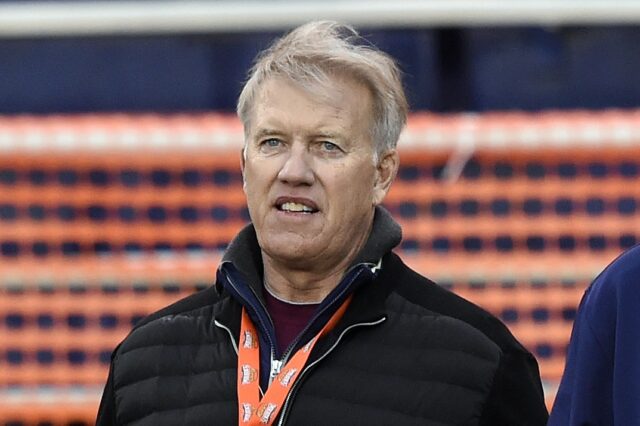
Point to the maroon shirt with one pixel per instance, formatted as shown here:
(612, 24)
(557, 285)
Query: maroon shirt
(288, 319)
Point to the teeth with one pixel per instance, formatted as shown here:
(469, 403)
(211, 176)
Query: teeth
(296, 207)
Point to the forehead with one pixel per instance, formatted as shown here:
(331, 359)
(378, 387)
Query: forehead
(341, 102)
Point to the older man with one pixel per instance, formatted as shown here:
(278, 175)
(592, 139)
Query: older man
(313, 320)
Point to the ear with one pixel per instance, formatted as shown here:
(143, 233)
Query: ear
(243, 159)
(386, 171)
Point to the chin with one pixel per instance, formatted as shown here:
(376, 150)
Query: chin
(284, 248)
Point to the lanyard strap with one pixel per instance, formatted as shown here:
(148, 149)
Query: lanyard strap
(252, 410)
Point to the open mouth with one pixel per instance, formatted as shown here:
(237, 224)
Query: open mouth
(297, 206)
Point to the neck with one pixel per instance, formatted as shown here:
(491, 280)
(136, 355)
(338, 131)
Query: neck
(309, 283)
(273, 294)
(299, 286)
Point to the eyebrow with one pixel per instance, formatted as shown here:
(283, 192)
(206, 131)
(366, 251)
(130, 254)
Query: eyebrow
(328, 135)
(267, 132)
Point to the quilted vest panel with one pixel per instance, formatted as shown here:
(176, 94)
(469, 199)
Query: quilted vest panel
(181, 370)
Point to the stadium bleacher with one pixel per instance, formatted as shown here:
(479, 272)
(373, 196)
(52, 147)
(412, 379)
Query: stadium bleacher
(105, 218)
(108, 213)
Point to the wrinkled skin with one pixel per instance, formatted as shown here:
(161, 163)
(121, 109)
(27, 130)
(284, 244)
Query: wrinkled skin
(315, 153)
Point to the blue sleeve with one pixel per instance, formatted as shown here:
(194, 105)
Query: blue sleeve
(601, 382)
(584, 396)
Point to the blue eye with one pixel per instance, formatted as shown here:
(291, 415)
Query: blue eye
(329, 146)
(271, 143)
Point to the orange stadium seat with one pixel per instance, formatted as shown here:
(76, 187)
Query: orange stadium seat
(516, 212)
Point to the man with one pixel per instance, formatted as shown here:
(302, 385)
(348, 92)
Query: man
(601, 381)
(313, 320)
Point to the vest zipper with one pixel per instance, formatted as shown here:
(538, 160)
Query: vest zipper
(308, 367)
(262, 324)
(276, 366)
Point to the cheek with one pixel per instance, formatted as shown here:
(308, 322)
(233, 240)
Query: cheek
(257, 173)
(354, 191)
(254, 186)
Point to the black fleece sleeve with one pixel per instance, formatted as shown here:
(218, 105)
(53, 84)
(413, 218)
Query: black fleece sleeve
(107, 410)
(516, 396)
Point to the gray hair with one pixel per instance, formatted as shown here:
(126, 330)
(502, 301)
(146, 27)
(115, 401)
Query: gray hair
(313, 53)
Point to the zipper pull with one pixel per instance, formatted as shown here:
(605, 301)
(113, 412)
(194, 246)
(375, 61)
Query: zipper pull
(276, 366)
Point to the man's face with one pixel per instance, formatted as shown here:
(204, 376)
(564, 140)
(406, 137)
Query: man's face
(310, 178)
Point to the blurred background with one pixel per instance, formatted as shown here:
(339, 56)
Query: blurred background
(120, 182)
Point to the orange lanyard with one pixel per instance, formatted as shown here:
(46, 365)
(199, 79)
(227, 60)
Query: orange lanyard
(252, 410)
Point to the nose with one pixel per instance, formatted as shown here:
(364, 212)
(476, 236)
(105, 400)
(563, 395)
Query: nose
(297, 169)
